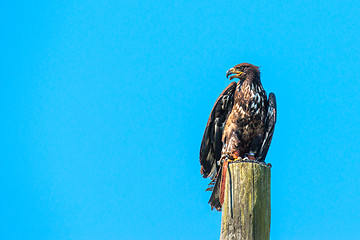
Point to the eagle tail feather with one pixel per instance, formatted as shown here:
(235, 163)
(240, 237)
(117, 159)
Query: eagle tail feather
(214, 200)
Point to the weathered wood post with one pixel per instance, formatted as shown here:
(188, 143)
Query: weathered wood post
(246, 208)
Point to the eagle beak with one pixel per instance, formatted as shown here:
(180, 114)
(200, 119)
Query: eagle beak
(233, 71)
(229, 72)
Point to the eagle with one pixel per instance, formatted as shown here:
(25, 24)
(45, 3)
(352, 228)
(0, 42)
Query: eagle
(240, 128)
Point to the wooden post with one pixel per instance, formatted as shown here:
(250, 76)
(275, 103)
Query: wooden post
(246, 208)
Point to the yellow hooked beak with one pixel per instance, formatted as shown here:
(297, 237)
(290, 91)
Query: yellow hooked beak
(233, 71)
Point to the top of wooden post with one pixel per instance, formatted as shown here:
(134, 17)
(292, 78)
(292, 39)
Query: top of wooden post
(246, 209)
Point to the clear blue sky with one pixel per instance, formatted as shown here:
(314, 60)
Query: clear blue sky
(104, 104)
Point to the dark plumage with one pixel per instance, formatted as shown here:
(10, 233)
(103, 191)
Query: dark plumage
(240, 126)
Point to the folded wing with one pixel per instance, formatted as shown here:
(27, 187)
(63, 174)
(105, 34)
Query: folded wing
(211, 145)
(270, 126)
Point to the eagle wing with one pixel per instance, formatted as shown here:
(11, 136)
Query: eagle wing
(270, 126)
(211, 145)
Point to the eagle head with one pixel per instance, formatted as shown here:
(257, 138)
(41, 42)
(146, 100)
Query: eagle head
(241, 70)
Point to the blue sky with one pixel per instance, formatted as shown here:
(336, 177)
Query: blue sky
(104, 104)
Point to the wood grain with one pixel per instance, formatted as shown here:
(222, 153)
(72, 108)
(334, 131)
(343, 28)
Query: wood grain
(246, 211)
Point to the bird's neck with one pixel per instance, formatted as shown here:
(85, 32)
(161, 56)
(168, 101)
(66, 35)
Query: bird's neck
(251, 84)
(252, 77)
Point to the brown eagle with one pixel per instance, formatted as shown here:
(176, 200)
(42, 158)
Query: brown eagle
(240, 127)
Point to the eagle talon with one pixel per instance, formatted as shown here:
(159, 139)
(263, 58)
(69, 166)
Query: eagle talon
(229, 158)
(250, 156)
(239, 159)
(226, 157)
(246, 159)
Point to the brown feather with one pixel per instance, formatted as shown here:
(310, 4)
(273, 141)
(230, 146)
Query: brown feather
(246, 124)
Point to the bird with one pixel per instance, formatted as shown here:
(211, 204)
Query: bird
(240, 128)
